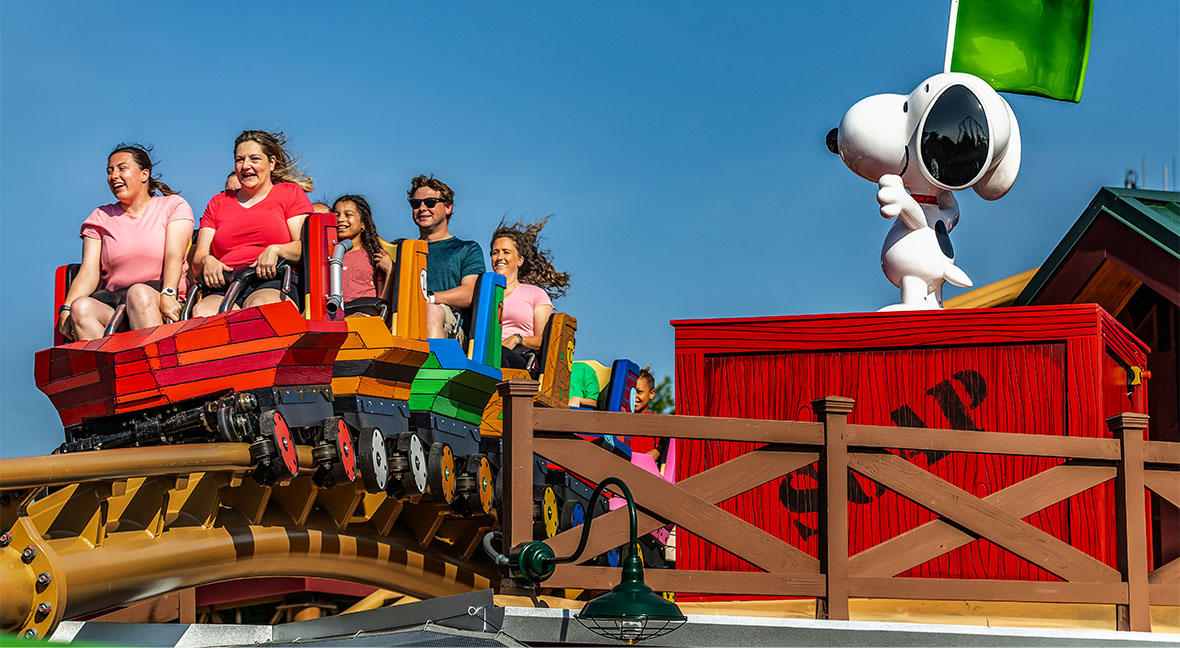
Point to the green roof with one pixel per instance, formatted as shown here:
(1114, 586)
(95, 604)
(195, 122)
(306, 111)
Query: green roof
(1155, 215)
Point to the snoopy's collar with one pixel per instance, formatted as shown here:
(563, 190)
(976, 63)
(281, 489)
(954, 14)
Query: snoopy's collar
(928, 200)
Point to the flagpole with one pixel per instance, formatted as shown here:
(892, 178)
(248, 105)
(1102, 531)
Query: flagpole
(950, 35)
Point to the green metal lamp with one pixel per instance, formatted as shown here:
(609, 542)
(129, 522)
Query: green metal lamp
(631, 612)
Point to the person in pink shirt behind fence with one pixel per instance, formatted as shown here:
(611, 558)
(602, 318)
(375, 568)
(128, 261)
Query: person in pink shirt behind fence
(133, 249)
(532, 283)
(254, 226)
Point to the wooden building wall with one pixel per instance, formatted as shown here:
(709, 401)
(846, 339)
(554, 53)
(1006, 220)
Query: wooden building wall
(1045, 370)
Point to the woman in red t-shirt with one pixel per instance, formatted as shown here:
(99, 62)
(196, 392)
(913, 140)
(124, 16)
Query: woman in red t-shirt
(254, 226)
(367, 265)
(133, 248)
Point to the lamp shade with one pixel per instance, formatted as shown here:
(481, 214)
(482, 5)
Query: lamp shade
(631, 612)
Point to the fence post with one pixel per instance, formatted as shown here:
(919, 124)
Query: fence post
(833, 411)
(517, 467)
(1131, 522)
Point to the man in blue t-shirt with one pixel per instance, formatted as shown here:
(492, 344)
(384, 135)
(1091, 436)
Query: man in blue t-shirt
(452, 264)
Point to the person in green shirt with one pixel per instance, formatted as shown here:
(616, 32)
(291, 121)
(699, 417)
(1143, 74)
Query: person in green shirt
(452, 264)
(583, 386)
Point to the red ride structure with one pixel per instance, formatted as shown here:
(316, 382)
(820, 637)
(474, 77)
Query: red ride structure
(1057, 370)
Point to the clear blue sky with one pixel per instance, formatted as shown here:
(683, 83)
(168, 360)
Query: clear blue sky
(679, 144)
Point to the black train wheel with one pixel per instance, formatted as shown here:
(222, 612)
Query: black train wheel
(440, 473)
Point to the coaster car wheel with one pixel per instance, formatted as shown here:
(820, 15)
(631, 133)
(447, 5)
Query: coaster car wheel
(343, 465)
(546, 513)
(411, 451)
(479, 500)
(572, 515)
(440, 473)
(373, 460)
(274, 429)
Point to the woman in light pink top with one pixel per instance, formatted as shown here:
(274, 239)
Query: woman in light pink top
(133, 250)
(530, 281)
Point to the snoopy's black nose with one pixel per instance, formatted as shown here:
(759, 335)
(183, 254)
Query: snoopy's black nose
(832, 142)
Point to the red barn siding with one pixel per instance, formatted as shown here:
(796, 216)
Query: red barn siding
(1023, 371)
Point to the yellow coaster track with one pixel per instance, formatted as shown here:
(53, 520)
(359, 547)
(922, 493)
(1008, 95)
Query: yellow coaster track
(86, 531)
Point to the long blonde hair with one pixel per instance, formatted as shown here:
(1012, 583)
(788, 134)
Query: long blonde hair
(275, 145)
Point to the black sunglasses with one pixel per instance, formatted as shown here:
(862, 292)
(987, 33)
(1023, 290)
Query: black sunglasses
(430, 202)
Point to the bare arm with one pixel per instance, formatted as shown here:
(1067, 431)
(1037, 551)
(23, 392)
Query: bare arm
(85, 282)
(459, 296)
(176, 239)
(205, 265)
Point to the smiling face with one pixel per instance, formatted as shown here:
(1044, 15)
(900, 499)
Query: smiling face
(506, 259)
(349, 223)
(427, 218)
(252, 166)
(644, 391)
(126, 180)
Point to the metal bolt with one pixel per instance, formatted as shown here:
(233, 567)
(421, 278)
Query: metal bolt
(5, 538)
(44, 578)
(29, 554)
(31, 633)
(44, 608)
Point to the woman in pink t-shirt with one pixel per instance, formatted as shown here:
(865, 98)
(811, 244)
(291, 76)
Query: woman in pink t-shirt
(367, 265)
(133, 249)
(254, 226)
(530, 280)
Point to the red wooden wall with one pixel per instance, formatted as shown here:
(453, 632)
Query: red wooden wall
(1044, 370)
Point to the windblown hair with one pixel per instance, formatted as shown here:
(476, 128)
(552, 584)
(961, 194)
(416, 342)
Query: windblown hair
(445, 192)
(645, 374)
(142, 156)
(537, 267)
(369, 237)
(286, 165)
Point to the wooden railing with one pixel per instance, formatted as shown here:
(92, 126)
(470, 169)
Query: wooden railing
(839, 447)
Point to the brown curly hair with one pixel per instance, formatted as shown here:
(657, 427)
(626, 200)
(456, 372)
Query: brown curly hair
(537, 267)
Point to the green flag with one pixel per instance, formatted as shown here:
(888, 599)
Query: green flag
(1035, 47)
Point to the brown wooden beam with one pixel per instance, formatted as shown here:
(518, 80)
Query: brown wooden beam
(677, 505)
(1006, 443)
(833, 412)
(937, 537)
(1131, 525)
(517, 469)
(983, 518)
(1165, 483)
(568, 421)
(714, 485)
(948, 589)
(696, 582)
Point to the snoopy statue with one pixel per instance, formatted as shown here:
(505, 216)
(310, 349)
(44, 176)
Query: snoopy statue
(952, 132)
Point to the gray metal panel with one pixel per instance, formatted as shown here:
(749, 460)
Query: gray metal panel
(448, 611)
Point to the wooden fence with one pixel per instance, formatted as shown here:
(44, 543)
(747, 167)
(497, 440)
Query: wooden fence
(839, 447)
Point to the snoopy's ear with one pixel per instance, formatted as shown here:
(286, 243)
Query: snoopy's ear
(996, 182)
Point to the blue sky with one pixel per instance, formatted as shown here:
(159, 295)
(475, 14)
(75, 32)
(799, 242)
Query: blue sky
(678, 144)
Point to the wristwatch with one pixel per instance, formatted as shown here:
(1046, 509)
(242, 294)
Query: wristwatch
(171, 292)
(65, 308)
(430, 297)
